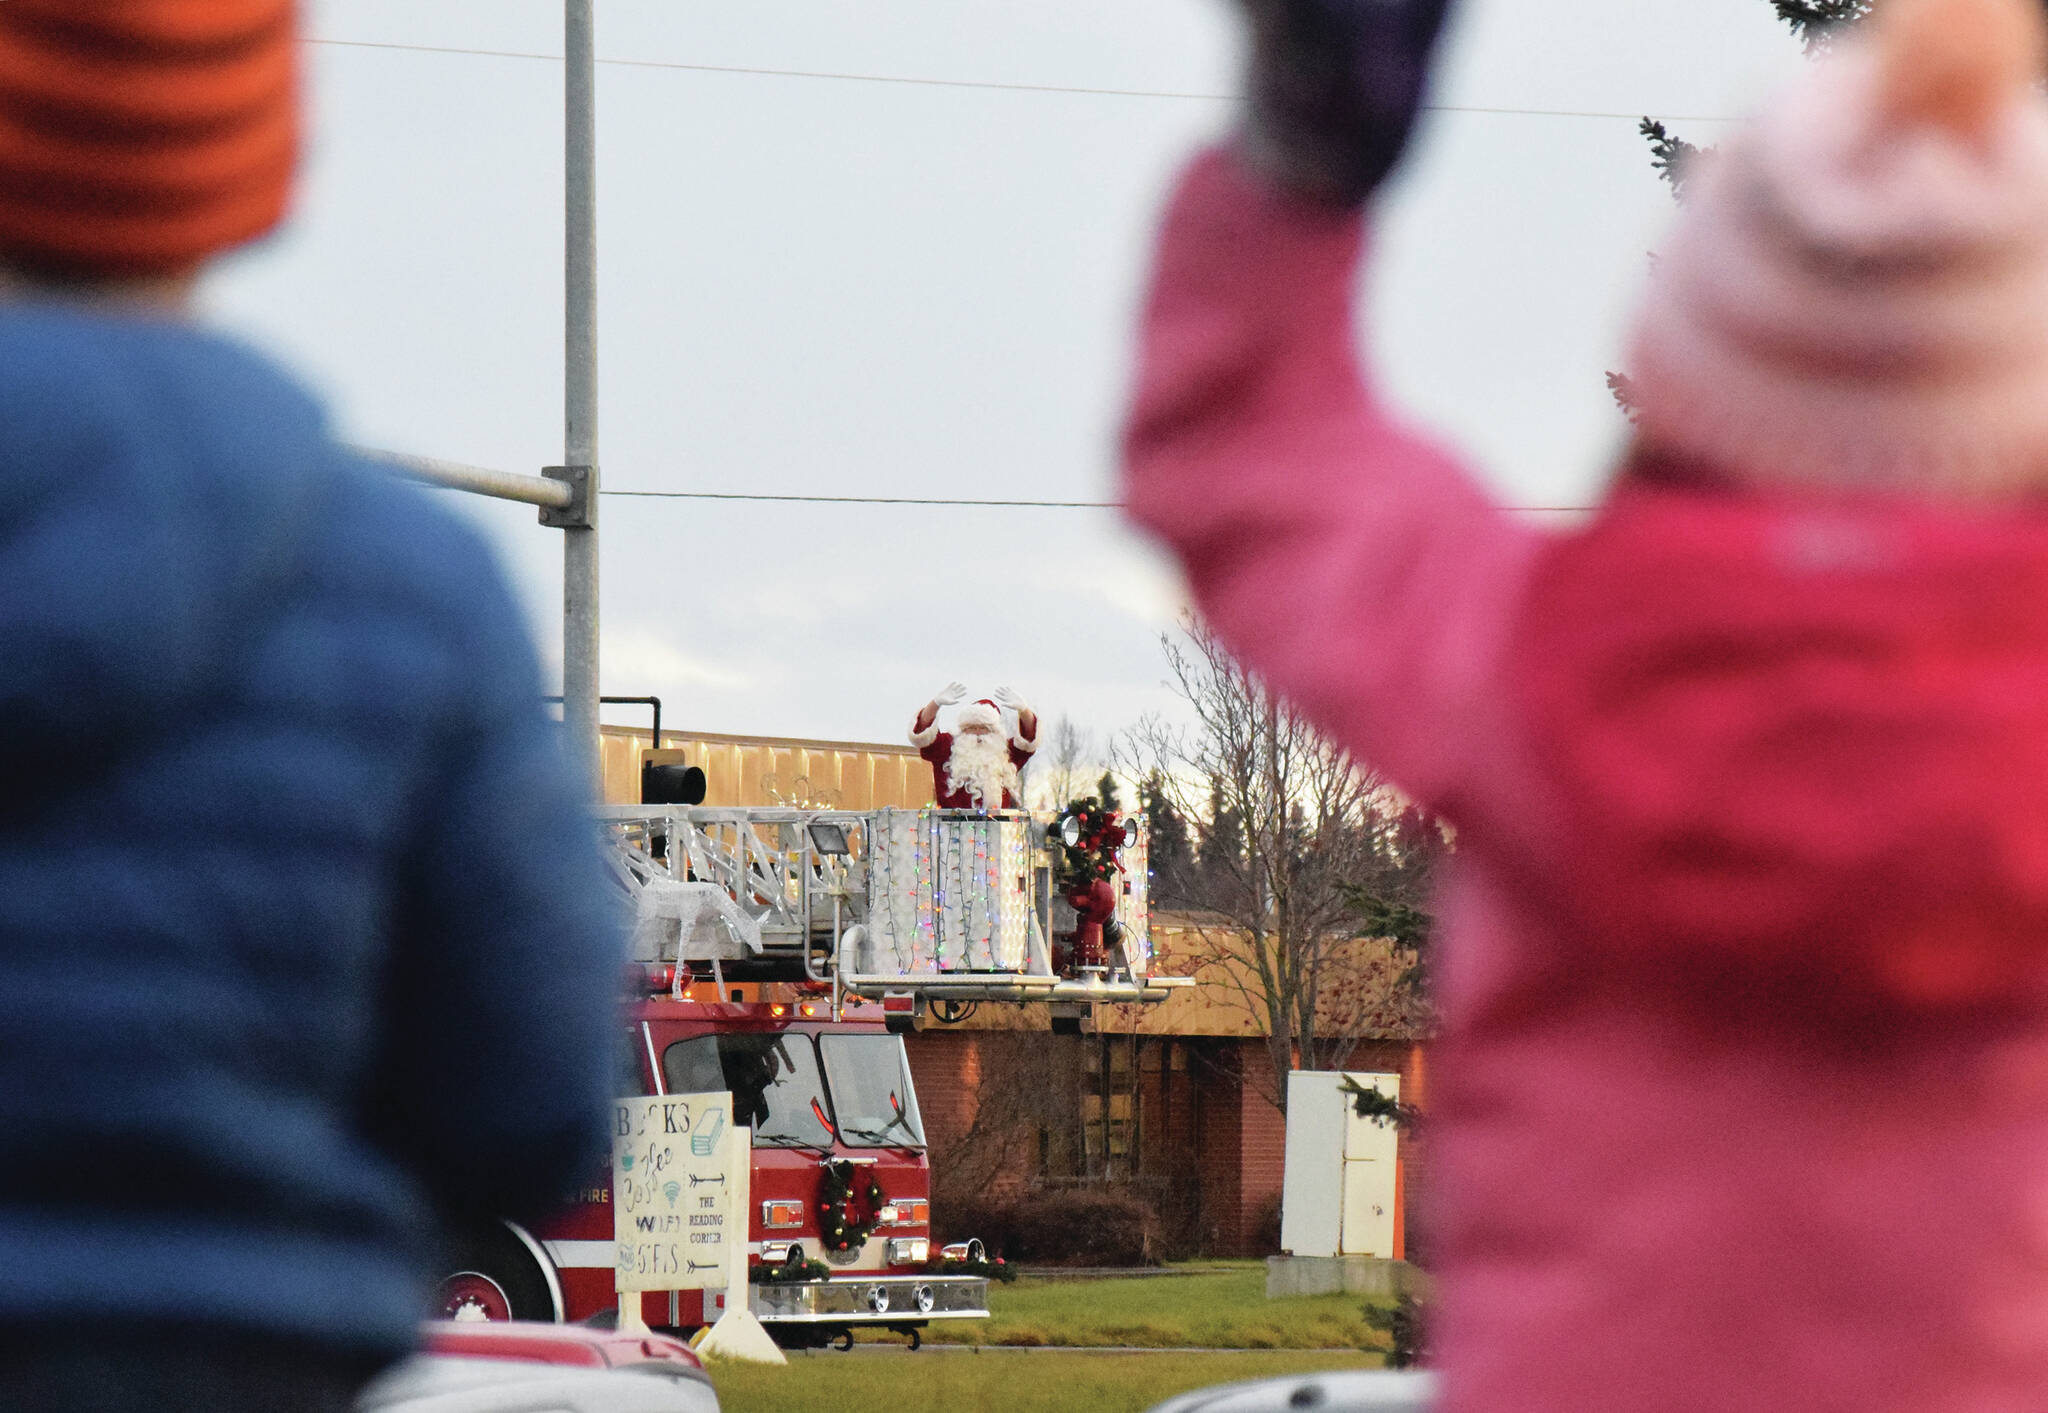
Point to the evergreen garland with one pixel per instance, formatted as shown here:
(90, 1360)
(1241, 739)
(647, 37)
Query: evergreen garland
(838, 1228)
(792, 1270)
(996, 1270)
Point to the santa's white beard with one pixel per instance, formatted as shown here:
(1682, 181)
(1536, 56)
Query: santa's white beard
(980, 764)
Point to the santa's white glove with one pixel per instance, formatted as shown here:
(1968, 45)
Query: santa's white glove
(1003, 696)
(950, 693)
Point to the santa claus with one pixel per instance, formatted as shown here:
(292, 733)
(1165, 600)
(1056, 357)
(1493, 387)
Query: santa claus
(978, 764)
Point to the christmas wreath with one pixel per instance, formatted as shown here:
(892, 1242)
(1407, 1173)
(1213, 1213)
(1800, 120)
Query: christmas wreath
(1085, 840)
(838, 1228)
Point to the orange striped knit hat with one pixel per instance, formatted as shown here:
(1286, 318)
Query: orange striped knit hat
(140, 137)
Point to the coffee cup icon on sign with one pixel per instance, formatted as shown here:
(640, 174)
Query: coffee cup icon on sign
(705, 1138)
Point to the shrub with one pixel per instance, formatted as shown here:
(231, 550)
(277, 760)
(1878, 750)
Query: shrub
(961, 1218)
(1084, 1227)
(1415, 1238)
(1402, 1324)
(1179, 1234)
(1265, 1230)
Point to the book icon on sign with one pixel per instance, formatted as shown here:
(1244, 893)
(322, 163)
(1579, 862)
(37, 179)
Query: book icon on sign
(705, 1138)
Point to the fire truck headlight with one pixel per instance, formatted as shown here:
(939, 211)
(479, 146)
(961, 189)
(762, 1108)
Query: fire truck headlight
(909, 1251)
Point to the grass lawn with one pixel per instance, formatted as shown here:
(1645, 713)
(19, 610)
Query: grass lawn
(1001, 1380)
(1218, 1306)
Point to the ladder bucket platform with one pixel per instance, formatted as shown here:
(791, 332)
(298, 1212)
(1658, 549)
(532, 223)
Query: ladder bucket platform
(953, 905)
(969, 986)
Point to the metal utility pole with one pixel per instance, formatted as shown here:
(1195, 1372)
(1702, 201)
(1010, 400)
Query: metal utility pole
(566, 495)
(579, 451)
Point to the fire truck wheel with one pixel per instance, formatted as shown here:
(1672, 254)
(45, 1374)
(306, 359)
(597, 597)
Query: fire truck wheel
(495, 1278)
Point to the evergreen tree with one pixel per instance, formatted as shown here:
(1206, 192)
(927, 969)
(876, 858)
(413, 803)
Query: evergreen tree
(1669, 155)
(1105, 790)
(1219, 858)
(1811, 19)
(1173, 849)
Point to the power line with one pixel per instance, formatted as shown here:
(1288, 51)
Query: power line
(977, 504)
(984, 84)
(867, 500)
(456, 475)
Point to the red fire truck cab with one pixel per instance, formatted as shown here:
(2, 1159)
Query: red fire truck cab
(833, 1115)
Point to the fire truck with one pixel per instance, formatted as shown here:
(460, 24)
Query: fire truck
(781, 955)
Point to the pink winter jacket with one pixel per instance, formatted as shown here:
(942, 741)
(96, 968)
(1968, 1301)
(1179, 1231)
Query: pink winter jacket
(1741, 1100)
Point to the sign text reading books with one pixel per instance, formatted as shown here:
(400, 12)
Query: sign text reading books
(672, 1187)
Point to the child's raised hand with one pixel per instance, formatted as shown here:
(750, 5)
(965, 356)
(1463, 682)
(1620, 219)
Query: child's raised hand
(1334, 89)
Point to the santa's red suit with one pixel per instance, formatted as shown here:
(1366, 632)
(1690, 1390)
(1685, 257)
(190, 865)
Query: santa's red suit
(965, 774)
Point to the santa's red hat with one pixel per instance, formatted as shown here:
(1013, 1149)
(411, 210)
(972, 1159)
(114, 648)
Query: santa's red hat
(982, 713)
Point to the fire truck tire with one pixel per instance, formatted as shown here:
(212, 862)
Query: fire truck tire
(497, 1274)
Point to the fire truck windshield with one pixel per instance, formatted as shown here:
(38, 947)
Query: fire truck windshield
(776, 1088)
(871, 1091)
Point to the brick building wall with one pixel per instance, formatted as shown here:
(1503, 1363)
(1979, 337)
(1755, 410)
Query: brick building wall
(1183, 1121)
(946, 1067)
(1243, 1151)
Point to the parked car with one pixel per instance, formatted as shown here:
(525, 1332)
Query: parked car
(576, 1346)
(517, 1366)
(1342, 1392)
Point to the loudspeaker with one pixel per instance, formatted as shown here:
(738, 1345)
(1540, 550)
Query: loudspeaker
(671, 784)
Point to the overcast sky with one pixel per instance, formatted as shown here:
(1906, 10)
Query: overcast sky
(905, 264)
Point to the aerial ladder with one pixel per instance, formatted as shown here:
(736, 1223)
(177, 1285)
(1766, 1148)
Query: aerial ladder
(933, 907)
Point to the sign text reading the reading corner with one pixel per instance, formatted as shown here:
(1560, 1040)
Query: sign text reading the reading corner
(672, 1181)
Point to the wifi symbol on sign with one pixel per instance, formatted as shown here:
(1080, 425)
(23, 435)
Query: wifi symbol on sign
(671, 1190)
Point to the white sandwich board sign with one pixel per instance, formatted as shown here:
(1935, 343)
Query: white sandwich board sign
(678, 1211)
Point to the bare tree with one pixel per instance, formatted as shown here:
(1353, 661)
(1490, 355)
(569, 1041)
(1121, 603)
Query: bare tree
(1028, 1086)
(1294, 834)
(1067, 762)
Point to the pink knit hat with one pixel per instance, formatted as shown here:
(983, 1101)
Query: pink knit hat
(1856, 292)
